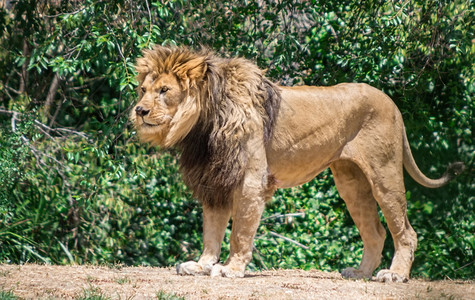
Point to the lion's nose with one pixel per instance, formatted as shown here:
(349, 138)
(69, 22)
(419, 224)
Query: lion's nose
(141, 111)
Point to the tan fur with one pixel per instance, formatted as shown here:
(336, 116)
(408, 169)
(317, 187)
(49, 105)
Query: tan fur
(242, 137)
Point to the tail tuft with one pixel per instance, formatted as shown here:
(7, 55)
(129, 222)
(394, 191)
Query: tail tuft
(455, 169)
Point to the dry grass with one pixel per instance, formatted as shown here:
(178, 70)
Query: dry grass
(89, 282)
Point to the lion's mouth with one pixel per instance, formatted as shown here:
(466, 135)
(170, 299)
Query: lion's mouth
(159, 123)
(150, 125)
(147, 124)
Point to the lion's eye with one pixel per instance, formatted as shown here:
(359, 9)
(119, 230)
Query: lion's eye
(164, 89)
(143, 89)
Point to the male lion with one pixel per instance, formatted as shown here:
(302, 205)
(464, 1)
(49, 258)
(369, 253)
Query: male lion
(241, 137)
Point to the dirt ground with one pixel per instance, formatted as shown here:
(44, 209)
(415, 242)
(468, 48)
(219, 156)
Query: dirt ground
(81, 282)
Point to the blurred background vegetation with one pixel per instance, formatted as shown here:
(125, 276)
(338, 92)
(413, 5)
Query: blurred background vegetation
(76, 187)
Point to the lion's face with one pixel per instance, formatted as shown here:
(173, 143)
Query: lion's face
(160, 96)
(169, 96)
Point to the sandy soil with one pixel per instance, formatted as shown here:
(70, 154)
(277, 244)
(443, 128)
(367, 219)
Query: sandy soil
(73, 282)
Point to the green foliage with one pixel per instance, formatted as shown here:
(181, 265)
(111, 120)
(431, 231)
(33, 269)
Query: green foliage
(7, 295)
(161, 295)
(93, 293)
(12, 160)
(76, 186)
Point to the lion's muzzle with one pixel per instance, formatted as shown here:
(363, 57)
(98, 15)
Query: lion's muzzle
(141, 111)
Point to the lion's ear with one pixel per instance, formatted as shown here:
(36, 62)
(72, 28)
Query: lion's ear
(192, 71)
(142, 67)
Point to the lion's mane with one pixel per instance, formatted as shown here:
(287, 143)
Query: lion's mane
(234, 97)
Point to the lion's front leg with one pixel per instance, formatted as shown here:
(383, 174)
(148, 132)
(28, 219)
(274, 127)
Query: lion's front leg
(246, 218)
(215, 221)
(248, 205)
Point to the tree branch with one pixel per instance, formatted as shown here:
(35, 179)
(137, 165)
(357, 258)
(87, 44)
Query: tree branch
(284, 216)
(259, 257)
(51, 94)
(289, 240)
(24, 69)
(40, 125)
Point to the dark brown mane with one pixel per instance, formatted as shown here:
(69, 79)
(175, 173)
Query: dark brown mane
(213, 157)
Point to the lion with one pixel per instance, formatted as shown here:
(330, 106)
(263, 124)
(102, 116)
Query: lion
(242, 137)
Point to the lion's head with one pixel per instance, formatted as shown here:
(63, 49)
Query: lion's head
(170, 81)
(206, 106)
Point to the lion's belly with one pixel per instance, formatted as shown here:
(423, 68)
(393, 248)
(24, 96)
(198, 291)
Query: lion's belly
(291, 179)
(296, 168)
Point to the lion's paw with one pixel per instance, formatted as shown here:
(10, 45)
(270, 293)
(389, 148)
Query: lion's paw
(219, 270)
(189, 268)
(390, 276)
(354, 273)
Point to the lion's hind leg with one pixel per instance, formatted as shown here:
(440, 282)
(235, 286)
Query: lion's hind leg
(392, 201)
(356, 191)
(387, 184)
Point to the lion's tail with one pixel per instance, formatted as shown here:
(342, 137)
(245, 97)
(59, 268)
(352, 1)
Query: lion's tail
(453, 170)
